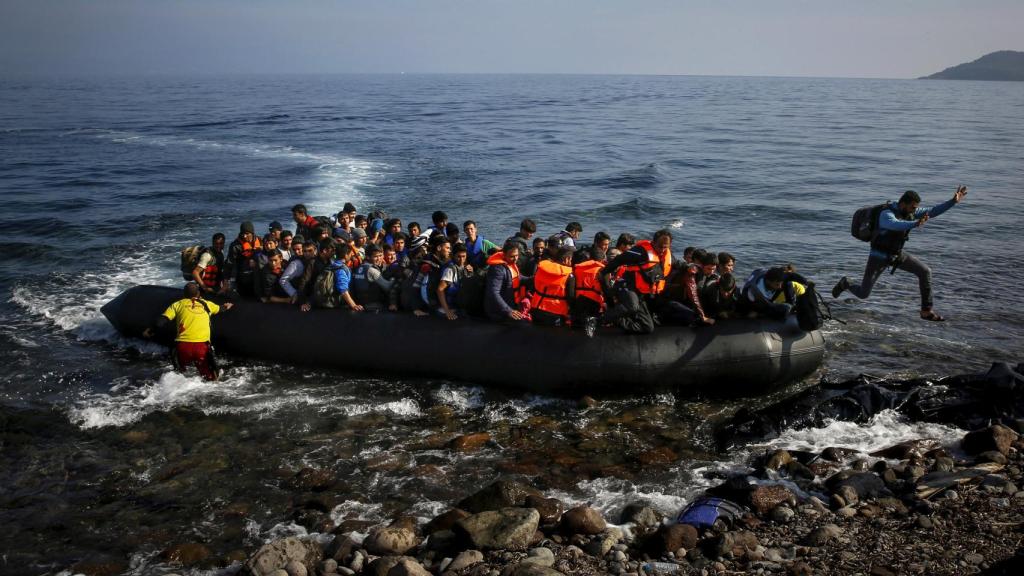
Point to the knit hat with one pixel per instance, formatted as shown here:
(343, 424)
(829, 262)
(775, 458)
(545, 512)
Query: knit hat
(247, 227)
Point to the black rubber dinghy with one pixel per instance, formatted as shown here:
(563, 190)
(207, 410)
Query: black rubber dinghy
(735, 357)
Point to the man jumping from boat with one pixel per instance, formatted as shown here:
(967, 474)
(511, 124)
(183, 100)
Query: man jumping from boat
(892, 230)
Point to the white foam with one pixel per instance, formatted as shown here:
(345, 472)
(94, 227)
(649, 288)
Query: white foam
(404, 407)
(125, 404)
(460, 397)
(610, 495)
(356, 510)
(885, 429)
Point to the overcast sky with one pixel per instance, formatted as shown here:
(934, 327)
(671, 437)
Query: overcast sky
(853, 38)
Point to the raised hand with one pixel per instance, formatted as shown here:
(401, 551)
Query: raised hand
(961, 191)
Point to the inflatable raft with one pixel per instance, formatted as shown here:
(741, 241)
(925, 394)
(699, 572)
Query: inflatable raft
(737, 357)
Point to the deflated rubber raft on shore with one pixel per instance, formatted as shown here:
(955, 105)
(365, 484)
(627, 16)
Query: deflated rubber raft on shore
(735, 357)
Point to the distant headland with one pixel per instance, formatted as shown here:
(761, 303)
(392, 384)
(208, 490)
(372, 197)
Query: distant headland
(1001, 65)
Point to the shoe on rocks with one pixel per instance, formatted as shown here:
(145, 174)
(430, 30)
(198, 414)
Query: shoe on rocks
(842, 286)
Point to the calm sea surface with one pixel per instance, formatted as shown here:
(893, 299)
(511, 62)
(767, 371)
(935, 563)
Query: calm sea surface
(106, 454)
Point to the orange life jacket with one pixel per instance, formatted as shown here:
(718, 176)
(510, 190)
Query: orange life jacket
(649, 277)
(588, 283)
(498, 259)
(249, 249)
(549, 288)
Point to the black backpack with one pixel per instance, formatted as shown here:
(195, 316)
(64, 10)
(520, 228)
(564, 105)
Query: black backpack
(809, 309)
(864, 226)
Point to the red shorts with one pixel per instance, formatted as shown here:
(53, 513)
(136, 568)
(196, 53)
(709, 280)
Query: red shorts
(195, 353)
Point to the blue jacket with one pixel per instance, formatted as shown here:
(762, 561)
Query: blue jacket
(889, 223)
(342, 276)
(499, 297)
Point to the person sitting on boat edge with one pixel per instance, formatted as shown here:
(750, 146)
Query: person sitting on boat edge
(209, 270)
(895, 222)
(726, 263)
(719, 297)
(477, 246)
(681, 301)
(644, 269)
(453, 272)
(589, 303)
(369, 286)
(554, 290)
(191, 316)
(241, 262)
(772, 292)
(430, 272)
(333, 276)
(269, 285)
(504, 285)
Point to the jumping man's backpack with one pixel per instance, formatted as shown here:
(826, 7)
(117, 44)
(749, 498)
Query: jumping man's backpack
(189, 259)
(865, 222)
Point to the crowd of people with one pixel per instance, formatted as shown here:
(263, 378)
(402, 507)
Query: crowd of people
(373, 263)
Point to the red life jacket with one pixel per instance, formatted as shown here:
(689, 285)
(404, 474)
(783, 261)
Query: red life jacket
(549, 285)
(649, 277)
(588, 284)
(212, 274)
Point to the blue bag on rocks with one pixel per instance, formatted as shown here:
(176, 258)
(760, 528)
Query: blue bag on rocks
(704, 512)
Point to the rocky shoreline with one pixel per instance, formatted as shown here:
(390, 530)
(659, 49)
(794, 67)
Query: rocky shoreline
(913, 508)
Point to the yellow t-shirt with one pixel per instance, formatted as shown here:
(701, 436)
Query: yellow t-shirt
(192, 320)
(780, 298)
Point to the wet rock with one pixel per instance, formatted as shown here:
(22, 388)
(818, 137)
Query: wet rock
(505, 529)
(469, 442)
(100, 565)
(764, 498)
(445, 521)
(465, 560)
(540, 557)
(390, 541)
(583, 520)
(735, 544)
(311, 479)
(974, 558)
(498, 495)
(276, 555)
(642, 515)
(186, 554)
(796, 469)
(661, 456)
(329, 566)
(778, 459)
(993, 456)
(296, 568)
(998, 484)
(822, 535)
(407, 566)
(671, 538)
(997, 437)
(382, 566)
(588, 402)
(782, 514)
(603, 543)
(865, 485)
(550, 509)
(833, 454)
(340, 548)
(908, 449)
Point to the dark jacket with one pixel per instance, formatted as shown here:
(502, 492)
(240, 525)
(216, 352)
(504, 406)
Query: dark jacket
(499, 296)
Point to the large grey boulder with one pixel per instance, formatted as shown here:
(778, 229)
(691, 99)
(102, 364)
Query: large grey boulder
(277, 554)
(505, 529)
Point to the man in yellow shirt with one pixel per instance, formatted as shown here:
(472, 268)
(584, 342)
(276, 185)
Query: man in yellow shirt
(191, 315)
